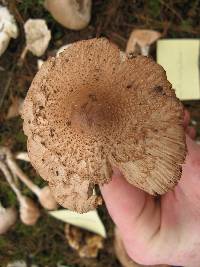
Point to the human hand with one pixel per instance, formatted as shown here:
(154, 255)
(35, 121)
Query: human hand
(165, 230)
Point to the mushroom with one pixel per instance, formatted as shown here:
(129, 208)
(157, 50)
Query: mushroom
(87, 244)
(123, 257)
(72, 14)
(8, 217)
(8, 28)
(22, 156)
(92, 109)
(15, 108)
(39, 63)
(44, 195)
(142, 38)
(60, 50)
(37, 37)
(29, 212)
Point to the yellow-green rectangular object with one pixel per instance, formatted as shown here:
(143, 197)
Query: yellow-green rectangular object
(180, 59)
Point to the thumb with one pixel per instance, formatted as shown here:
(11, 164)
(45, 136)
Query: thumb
(122, 199)
(135, 213)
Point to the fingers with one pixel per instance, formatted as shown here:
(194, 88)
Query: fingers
(122, 199)
(191, 168)
(186, 118)
(135, 213)
(189, 130)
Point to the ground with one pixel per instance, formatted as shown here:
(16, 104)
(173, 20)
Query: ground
(44, 244)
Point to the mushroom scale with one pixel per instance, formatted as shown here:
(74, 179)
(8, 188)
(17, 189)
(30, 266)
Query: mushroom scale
(91, 109)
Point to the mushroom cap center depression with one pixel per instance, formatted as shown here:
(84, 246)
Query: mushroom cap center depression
(93, 113)
(101, 112)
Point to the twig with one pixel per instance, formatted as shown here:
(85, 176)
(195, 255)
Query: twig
(9, 179)
(44, 195)
(29, 212)
(172, 10)
(15, 169)
(22, 56)
(7, 86)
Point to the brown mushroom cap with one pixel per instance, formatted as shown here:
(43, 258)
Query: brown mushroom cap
(92, 108)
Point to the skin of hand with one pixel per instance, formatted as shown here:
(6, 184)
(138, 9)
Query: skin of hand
(165, 230)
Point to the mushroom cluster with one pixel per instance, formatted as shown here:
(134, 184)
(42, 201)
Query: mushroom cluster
(93, 108)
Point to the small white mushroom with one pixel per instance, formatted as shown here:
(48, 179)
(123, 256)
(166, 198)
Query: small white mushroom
(22, 156)
(37, 37)
(44, 195)
(142, 38)
(15, 108)
(8, 28)
(39, 63)
(8, 217)
(29, 212)
(72, 14)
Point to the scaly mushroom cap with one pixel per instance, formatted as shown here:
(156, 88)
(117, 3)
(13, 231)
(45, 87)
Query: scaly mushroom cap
(92, 108)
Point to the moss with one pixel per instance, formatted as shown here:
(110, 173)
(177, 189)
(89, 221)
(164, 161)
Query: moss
(154, 8)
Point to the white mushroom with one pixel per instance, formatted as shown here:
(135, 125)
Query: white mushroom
(39, 63)
(22, 156)
(8, 28)
(72, 14)
(142, 38)
(29, 212)
(15, 108)
(44, 195)
(8, 217)
(37, 37)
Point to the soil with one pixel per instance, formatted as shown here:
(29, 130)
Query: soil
(45, 244)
